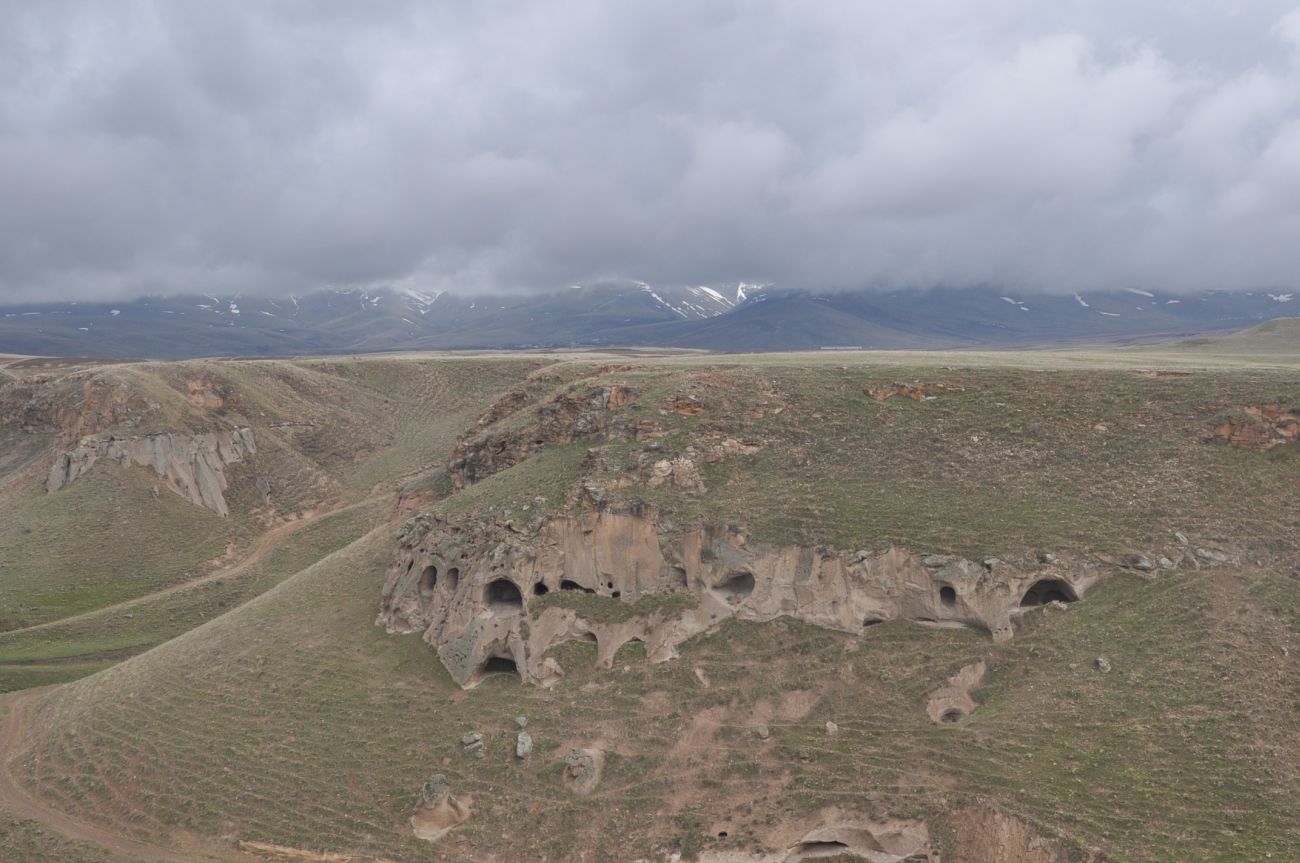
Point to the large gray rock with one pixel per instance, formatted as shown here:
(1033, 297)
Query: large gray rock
(193, 465)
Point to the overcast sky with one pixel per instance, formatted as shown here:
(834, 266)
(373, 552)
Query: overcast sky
(270, 147)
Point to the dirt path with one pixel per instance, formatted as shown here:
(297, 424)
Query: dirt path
(264, 545)
(185, 849)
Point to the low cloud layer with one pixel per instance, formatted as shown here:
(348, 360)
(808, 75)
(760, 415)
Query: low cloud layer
(270, 147)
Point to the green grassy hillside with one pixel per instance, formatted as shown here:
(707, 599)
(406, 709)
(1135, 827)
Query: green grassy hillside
(105, 568)
(280, 713)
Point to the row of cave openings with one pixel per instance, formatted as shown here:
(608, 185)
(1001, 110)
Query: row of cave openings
(502, 595)
(1041, 592)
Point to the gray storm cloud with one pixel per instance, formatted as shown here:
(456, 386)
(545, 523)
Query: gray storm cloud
(272, 147)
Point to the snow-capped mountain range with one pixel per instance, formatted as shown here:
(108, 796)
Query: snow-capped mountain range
(742, 316)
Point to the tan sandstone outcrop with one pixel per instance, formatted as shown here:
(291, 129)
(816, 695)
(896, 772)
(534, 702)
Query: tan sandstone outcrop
(472, 588)
(192, 465)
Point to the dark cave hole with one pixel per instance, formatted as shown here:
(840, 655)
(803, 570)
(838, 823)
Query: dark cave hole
(810, 850)
(498, 665)
(503, 595)
(1047, 590)
(428, 580)
(737, 587)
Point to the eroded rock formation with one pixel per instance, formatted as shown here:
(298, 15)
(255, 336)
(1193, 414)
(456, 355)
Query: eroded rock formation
(952, 702)
(438, 810)
(477, 591)
(581, 413)
(1261, 427)
(192, 465)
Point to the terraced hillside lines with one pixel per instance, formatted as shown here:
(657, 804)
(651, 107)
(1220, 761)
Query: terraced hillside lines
(994, 460)
(87, 546)
(110, 565)
(76, 646)
(292, 719)
(245, 715)
(74, 839)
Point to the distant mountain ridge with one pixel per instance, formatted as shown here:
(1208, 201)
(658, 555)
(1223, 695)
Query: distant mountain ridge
(742, 317)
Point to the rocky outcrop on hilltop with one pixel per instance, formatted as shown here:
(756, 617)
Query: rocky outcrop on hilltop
(581, 413)
(484, 593)
(192, 465)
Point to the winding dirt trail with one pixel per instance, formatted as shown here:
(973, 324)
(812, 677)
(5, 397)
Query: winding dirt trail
(181, 848)
(17, 801)
(265, 543)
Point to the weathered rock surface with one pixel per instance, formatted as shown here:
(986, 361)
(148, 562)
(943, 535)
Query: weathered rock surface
(952, 702)
(438, 810)
(192, 465)
(474, 589)
(583, 769)
(1262, 427)
(892, 842)
(577, 414)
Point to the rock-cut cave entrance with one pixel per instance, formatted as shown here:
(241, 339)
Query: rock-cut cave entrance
(815, 850)
(503, 595)
(428, 580)
(1047, 590)
(498, 665)
(736, 588)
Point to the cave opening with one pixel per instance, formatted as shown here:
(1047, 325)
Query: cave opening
(814, 850)
(540, 589)
(566, 584)
(428, 580)
(498, 665)
(948, 595)
(736, 588)
(1047, 590)
(503, 595)
(453, 578)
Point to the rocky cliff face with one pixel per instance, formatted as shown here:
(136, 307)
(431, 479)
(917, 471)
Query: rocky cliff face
(477, 591)
(192, 465)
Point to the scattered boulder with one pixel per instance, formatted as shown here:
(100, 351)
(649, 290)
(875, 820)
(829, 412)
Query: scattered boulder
(521, 721)
(1212, 556)
(832, 730)
(761, 731)
(1102, 664)
(1140, 562)
(523, 745)
(583, 769)
(472, 743)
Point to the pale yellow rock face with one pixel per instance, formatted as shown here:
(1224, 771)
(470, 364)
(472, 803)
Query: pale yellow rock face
(474, 606)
